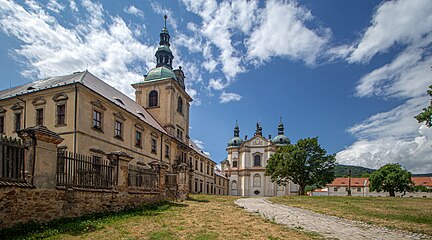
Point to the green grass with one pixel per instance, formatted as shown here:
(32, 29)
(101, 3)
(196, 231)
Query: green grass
(80, 225)
(412, 214)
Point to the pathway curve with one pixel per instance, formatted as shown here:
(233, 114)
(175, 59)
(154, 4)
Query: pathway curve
(325, 225)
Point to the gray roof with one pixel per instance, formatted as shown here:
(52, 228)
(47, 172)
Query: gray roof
(195, 147)
(92, 82)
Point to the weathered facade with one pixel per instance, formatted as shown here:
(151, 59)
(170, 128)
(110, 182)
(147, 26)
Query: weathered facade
(246, 161)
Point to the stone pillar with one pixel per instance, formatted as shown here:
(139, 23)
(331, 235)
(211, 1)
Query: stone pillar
(182, 181)
(41, 155)
(121, 160)
(161, 170)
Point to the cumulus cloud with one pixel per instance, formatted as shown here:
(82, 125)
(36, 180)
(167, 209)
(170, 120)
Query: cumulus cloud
(229, 97)
(216, 84)
(55, 6)
(134, 11)
(394, 22)
(394, 135)
(282, 32)
(107, 49)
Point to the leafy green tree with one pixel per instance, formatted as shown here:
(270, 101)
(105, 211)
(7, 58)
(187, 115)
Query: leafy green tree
(391, 178)
(426, 115)
(304, 163)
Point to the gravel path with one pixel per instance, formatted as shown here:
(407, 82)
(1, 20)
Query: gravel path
(327, 226)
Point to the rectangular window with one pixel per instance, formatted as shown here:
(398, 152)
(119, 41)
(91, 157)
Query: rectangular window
(39, 116)
(234, 163)
(201, 186)
(61, 114)
(138, 139)
(17, 121)
(346, 189)
(196, 165)
(2, 126)
(335, 189)
(179, 134)
(201, 167)
(358, 189)
(97, 120)
(196, 185)
(118, 129)
(167, 151)
(153, 145)
(208, 169)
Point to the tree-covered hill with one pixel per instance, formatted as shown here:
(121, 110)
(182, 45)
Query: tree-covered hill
(356, 171)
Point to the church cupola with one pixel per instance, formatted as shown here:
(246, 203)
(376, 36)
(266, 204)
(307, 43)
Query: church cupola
(164, 56)
(236, 140)
(281, 139)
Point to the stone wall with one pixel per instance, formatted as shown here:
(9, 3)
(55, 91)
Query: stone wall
(20, 205)
(41, 199)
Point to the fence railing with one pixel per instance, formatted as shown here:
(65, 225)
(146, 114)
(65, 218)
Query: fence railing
(77, 170)
(11, 160)
(171, 181)
(142, 178)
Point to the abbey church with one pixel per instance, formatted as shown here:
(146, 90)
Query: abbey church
(246, 161)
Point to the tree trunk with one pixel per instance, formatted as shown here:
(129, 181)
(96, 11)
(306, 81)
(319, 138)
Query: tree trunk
(392, 193)
(302, 189)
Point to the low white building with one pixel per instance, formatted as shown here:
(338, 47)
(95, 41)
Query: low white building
(360, 187)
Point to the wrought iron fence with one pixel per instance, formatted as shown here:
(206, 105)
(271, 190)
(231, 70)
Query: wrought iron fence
(142, 178)
(78, 170)
(11, 160)
(171, 181)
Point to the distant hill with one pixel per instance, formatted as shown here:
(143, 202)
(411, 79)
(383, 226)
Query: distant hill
(356, 171)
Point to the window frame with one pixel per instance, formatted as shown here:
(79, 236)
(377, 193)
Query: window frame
(255, 160)
(59, 115)
(118, 132)
(153, 146)
(2, 123)
(138, 139)
(167, 151)
(95, 121)
(180, 105)
(17, 122)
(235, 164)
(39, 119)
(153, 99)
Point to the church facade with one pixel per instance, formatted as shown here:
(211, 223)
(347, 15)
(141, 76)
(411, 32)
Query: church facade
(246, 161)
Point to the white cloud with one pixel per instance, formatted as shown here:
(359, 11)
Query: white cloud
(54, 6)
(394, 135)
(73, 6)
(282, 32)
(217, 84)
(159, 9)
(394, 22)
(107, 49)
(134, 11)
(229, 97)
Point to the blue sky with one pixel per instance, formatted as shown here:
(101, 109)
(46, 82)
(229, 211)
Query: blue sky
(353, 73)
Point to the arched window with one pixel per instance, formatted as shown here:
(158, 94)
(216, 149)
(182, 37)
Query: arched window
(234, 185)
(257, 180)
(153, 99)
(257, 161)
(180, 105)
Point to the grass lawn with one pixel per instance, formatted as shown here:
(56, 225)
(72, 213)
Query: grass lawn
(412, 214)
(203, 217)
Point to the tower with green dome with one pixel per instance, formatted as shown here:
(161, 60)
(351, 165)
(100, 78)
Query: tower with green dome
(281, 139)
(162, 91)
(236, 140)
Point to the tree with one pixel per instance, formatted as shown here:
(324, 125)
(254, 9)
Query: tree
(391, 178)
(304, 163)
(426, 115)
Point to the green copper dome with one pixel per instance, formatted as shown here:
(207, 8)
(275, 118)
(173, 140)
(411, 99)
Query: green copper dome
(281, 140)
(160, 73)
(235, 142)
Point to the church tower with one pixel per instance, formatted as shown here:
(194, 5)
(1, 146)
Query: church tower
(163, 92)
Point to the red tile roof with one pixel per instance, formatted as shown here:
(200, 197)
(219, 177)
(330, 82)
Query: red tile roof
(355, 182)
(422, 181)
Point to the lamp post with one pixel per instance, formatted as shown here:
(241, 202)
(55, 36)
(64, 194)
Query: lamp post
(349, 182)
